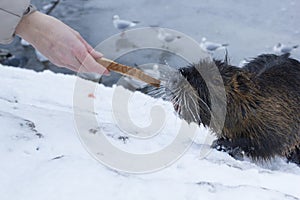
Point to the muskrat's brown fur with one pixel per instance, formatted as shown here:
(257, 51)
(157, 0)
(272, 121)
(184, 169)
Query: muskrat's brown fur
(263, 111)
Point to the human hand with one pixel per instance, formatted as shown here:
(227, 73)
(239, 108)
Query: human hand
(62, 45)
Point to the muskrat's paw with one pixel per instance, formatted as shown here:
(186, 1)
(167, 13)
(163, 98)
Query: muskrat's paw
(222, 144)
(294, 156)
(226, 145)
(237, 153)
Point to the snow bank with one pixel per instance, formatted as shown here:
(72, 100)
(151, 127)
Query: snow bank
(42, 156)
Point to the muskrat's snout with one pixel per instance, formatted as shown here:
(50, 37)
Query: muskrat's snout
(183, 96)
(173, 83)
(170, 84)
(189, 93)
(172, 88)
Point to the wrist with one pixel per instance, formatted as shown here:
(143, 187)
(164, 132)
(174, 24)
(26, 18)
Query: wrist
(31, 27)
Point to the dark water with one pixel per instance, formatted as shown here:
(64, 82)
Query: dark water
(250, 27)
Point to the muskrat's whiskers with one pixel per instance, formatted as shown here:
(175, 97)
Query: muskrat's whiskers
(154, 90)
(159, 93)
(156, 93)
(187, 105)
(177, 101)
(205, 104)
(177, 91)
(192, 107)
(195, 111)
(192, 98)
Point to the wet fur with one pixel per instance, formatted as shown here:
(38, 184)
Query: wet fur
(263, 112)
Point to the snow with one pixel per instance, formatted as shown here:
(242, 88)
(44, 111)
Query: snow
(42, 156)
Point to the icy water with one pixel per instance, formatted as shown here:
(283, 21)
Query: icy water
(249, 27)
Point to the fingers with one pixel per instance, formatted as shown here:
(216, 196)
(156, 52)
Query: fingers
(84, 57)
(89, 63)
(94, 53)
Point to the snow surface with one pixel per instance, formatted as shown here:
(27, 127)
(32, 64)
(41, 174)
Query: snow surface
(42, 156)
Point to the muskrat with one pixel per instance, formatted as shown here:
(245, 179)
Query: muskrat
(262, 112)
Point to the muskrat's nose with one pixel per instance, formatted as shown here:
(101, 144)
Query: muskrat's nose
(174, 81)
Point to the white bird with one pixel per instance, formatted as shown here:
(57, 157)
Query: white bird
(154, 72)
(282, 49)
(211, 46)
(165, 36)
(123, 25)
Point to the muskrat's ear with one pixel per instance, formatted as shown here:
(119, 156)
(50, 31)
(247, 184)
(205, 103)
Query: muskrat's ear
(242, 82)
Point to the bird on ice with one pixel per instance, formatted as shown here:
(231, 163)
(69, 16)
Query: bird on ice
(122, 24)
(211, 46)
(282, 49)
(165, 36)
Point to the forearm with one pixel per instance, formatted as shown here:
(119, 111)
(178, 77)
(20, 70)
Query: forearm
(62, 45)
(35, 28)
